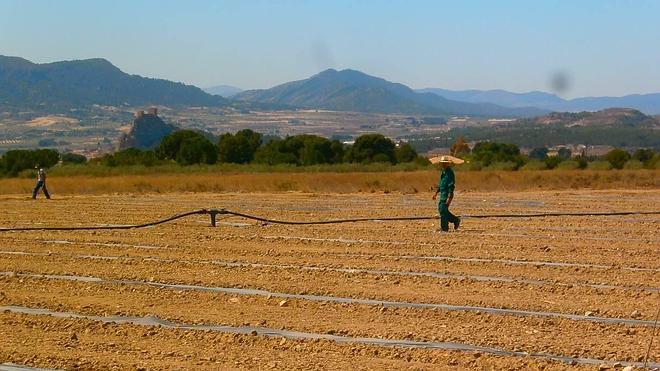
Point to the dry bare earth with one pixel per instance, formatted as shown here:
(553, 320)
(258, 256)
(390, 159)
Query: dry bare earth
(412, 289)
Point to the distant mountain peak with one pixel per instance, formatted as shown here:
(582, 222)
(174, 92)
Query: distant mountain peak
(352, 90)
(63, 85)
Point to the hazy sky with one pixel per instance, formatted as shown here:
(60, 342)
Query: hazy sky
(602, 47)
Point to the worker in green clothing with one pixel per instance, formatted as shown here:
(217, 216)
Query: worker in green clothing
(446, 185)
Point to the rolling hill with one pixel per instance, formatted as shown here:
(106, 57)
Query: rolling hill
(80, 83)
(646, 103)
(611, 117)
(350, 90)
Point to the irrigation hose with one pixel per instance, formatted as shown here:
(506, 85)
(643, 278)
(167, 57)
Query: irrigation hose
(655, 326)
(214, 212)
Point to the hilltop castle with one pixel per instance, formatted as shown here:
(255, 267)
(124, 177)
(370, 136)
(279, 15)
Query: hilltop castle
(146, 131)
(153, 111)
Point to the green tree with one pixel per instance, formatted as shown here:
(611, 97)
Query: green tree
(73, 158)
(552, 162)
(15, 161)
(405, 153)
(617, 158)
(275, 152)
(300, 150)
(315, 150)
(169, 146)
(371, 148)
(460, 147)
(197, 150)
(130, 157)
(239, 148)
(643, 155)
(490, 152)
(187, 147)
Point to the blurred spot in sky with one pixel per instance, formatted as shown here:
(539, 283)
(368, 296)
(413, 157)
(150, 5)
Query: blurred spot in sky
(560, 82)
(322, 56)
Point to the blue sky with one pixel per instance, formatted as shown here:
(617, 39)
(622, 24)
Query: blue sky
(604, 47)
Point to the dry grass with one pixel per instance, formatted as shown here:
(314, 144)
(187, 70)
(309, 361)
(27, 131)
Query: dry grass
(404, 182)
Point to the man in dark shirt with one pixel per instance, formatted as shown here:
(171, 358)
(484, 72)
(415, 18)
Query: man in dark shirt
(446, 185)
(41, 183)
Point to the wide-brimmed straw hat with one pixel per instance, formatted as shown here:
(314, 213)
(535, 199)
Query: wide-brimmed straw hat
(446, 159)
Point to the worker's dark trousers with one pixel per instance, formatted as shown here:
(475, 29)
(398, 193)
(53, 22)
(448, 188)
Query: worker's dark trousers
(446, 216)
(40, 184)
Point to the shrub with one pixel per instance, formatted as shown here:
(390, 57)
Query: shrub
(505, 165)
(633, 164)
(552, 161)
(617, 157)
(643, 155)
(534, 165)
(599, 165)
(653, 163)
(569, 165)
(469, 166)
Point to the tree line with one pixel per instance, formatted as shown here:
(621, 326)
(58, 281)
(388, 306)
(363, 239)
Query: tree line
(505, 156)
(187, 147)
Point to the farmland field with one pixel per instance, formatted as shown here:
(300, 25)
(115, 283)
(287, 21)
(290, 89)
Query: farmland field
(500, 293)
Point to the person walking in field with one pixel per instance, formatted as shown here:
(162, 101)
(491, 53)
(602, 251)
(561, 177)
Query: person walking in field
(446, 185)
(41, 183)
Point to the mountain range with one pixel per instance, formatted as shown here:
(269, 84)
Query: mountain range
(647, 103)
(350, 90)
(74, 84)
(60, 86)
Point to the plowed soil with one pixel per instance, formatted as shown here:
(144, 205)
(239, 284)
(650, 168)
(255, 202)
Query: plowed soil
(533, 292)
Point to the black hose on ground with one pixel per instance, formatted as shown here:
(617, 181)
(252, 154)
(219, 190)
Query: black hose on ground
(214, 212)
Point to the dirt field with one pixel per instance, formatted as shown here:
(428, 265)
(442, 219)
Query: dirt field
(512, 293)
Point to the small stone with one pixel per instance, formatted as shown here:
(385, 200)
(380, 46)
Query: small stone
(635, 314)
(283, 303)
(233, 300)
(253, 333)
(283, 341)
(603, 367)
(628, 368)
(74, 336)
(589, 314)
(617, 365)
